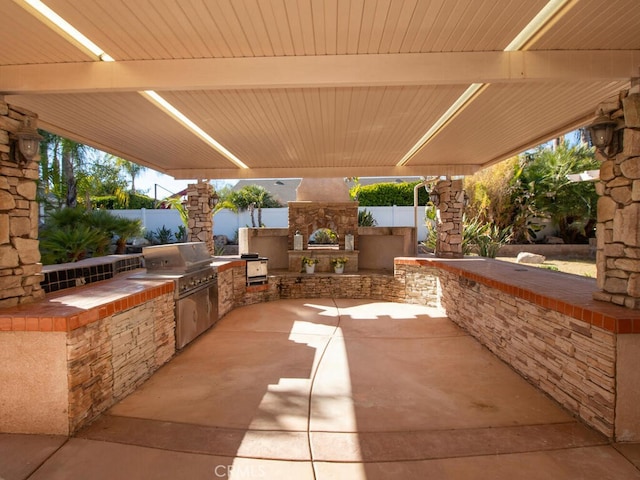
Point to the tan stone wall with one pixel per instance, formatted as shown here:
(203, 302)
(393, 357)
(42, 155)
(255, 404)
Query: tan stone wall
(233, 292)
(200, 221)
(449, 220)
(618, 230)
(422, 284)
(110, 358)
(20, 270)
(231, 284)
(572, 361)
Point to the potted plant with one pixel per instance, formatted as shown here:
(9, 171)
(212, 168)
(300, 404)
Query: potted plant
(338, 264)
(309, 263)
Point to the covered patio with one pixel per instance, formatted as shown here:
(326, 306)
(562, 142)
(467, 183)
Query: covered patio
(329, 388)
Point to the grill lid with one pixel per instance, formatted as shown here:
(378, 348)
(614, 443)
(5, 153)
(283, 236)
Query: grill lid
(177, 257)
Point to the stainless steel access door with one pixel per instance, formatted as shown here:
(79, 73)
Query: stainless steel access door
(195, 313)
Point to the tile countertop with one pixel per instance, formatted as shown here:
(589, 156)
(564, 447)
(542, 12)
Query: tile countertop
(72, 308)
(568, 294)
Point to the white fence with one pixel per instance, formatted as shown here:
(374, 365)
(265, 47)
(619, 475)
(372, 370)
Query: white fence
(227, 222)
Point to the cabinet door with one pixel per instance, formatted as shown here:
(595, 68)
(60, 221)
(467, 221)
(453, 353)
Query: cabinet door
(193, 316)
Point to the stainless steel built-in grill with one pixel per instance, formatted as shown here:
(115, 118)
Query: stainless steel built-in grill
(195, 289)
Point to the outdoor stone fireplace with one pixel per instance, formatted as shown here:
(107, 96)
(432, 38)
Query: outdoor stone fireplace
(323, 203)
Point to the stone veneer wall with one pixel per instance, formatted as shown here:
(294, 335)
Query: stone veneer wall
(572, 361)
(108, 359)
(449, 220)
(408, 284)
(200, 222)
(618, 230)
(20, 268)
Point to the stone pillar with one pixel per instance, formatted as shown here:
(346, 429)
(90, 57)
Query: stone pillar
(20, 267)
(618, 228)
(200, 214)
(449, 219)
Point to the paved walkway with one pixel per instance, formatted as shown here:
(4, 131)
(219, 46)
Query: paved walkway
(328, 389)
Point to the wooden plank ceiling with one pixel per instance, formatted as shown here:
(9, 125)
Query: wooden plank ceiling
(317, 88)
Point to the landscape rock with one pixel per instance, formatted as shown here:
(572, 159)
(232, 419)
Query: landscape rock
(554, 240)
(532, 258)
(220, 240)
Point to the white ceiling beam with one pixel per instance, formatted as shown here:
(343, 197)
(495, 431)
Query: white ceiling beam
(324, 172)
(320, 71)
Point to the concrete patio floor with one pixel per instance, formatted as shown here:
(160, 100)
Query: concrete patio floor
(329, 389)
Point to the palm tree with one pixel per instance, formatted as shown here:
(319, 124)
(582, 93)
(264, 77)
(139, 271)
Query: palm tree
(132, 169)
(252, 197)
(62, 162)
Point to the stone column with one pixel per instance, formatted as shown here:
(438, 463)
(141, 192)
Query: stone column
(20, 267)
(449, 219)
(618, 228)
(200, 214)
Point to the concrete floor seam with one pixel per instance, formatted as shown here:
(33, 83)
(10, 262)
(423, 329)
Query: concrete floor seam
(311, 385)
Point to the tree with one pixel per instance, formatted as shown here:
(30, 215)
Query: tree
(133, 169)
(62, 163)
(535, 185)
(571, 206)
(252, 197)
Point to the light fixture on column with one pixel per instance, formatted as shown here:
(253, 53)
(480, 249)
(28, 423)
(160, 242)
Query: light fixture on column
(26, 144)
(434, 196)
(602, 131)
(213, 200)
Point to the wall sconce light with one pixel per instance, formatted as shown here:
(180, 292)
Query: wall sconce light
(28, 143)
(434, 196)
(213, 200)
(602, 131)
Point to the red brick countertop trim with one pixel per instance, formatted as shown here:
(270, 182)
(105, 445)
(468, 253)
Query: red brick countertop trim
(564, 293)
(72, 309)
(228, 265)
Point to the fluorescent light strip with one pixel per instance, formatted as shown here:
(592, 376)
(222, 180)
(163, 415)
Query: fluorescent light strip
(184, 120)
(83, 41)
(534, 26)
(67, 28)
(448, 115)
(528, 32)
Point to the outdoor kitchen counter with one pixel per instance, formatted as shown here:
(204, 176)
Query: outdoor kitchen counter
(567, 294)
(73, 308)
(70, 356)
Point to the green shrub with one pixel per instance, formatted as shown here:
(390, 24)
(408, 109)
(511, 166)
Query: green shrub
(71, 234)
(133, 201)
(388, 194)
(483, 238)
(181, 234)
(68, 244)
(162, 235)
(365, 219)
(324, 236)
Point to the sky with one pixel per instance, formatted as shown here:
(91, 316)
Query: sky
(153, 182)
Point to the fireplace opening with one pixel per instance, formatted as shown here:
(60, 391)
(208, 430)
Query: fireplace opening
(324, 238)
